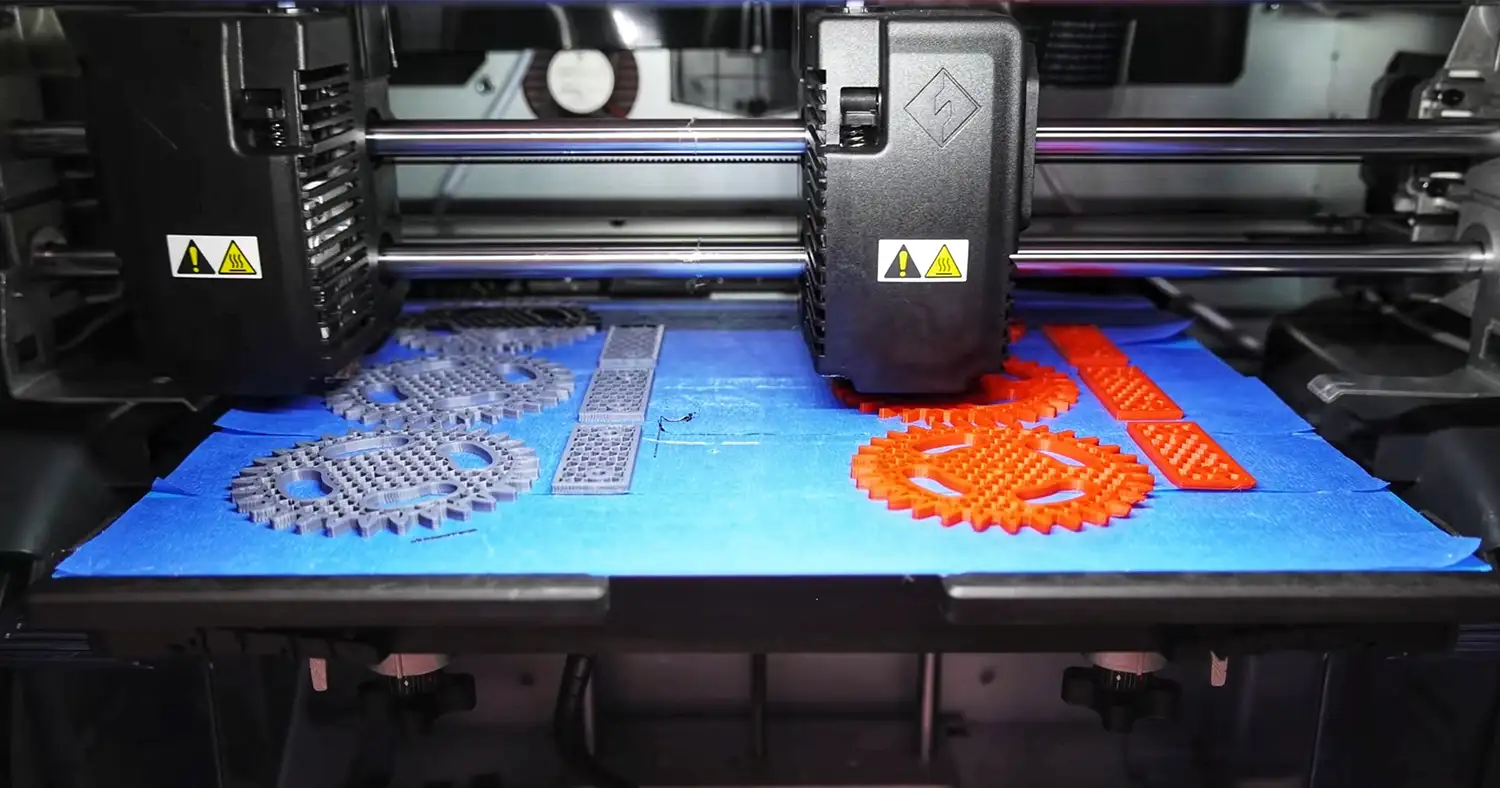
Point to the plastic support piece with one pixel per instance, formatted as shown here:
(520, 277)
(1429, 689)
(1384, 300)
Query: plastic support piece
(1128, 394)
(1188, 456)
(1027, 391)
(451, 391)
(368, 482)
(997, 476)
(631, 347)
(1085, 346)
(617, 395)
(494, 341)
(599, 460)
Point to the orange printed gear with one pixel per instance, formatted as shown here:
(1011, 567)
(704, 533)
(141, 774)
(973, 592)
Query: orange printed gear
(1129, 394)
(1188, 456)
(1017, 330)
(1085, 346)
(998, 473)
(1028, 391)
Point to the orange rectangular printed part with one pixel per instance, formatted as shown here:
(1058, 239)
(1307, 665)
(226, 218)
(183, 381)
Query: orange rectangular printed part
(1128, 394)
(1085, 346)
(1188, 456)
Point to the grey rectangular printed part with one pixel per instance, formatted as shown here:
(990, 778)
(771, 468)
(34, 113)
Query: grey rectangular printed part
(599, 460)
(631, 347)
(617, 395)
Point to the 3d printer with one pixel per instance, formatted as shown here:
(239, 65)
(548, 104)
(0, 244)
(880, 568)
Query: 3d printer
(214, 212)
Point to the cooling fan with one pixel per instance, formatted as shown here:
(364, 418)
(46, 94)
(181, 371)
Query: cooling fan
(581, 83)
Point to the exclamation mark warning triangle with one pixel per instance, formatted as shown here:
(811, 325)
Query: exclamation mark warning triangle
(902, 267)
(944, 266)
(193, 263)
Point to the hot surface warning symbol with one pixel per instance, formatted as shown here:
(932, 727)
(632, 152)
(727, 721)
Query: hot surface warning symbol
(902, 267)
(922, 261)
(236, 263)
(943, 266)
(215, 256)
(192, 262)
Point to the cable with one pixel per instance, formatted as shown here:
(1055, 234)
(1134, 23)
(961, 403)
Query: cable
(1069, 204)
(1213, 318)
(505, 95)
(1431, 332)
(567, 725)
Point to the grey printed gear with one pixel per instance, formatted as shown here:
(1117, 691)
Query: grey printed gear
(451, 391)
(497, 341)
(528, 314)
(369, 482)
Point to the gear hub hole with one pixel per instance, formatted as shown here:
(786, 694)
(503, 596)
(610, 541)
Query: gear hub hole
(460, 401)
(304, 484)
(1046, 496)
(384, 394)
(429, 365)
(511, 374)
(467, 456)
(1062, 458)
(935, 486)
(407, 497)
(343, 450)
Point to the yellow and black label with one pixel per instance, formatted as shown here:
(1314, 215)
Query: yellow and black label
(922, 260)
(192, 262)
(943, 266)
(200, 256)
(235, 263)
(903, 267)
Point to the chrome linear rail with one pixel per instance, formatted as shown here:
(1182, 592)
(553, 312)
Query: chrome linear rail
(773, 261)
(1310, 140)
(584, 139)
(1137, 140)
(564, 261)
(1183, 261)
(1123, 140)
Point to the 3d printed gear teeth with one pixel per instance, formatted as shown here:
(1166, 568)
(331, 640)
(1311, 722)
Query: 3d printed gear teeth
(384, 480)
(998, 475)
(451, 391)
(1027, 392)
(495, 341)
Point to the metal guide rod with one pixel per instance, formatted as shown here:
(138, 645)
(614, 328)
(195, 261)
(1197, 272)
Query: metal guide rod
(1295, 140)
(563, 140)
(587, 261)
(780, 261)
(1077, 140)
(1146, 140)
(786, 260)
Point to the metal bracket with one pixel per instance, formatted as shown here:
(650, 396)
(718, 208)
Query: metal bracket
(1471, 65)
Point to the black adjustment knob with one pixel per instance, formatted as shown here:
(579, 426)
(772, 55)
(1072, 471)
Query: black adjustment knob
(1120, 699)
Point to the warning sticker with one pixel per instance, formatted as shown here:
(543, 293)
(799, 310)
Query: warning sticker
(214, 256)
(906, 260)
